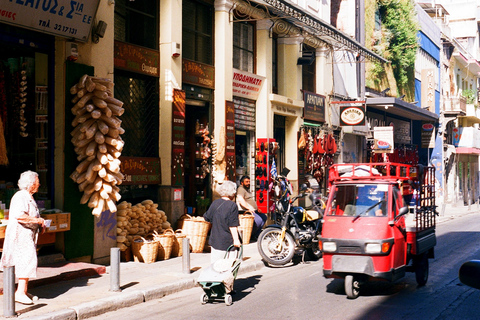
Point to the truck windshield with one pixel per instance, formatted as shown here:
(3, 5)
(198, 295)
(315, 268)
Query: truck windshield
(359, 200)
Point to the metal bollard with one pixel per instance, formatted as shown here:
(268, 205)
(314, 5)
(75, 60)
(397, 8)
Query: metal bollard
(115, 270)
(9, 291)
(186, 255)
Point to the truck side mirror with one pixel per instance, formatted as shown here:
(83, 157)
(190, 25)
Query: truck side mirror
(403, 211)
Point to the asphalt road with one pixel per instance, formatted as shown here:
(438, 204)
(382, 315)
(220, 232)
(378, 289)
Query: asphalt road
(300, 291)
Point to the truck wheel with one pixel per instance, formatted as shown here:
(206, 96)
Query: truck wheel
(272, 251)
(352, 287)
(421, 269)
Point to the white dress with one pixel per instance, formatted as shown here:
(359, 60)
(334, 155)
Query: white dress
(19, 247)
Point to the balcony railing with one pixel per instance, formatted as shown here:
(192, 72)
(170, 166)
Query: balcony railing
(456, 105)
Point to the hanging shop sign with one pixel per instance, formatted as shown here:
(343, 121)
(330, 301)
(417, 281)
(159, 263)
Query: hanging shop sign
(198, 74)
(428, 89)
(383, 139)
(230, 141)
(401, 130)
(428, 135)
(352, 113)
(244, 114)
(314, 106)
(178, 138)
(69, 19)
(137, 59)
(246, 84)
(140, 170)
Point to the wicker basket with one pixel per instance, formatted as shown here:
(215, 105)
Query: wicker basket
(165, 241)
(246, 226)
(196, 229)
(181, 219)
(177, 247)
(144, 250)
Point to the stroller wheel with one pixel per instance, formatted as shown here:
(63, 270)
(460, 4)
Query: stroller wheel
(228, 300)
(204, 298)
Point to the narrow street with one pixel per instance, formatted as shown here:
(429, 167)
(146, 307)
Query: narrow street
(301, 291)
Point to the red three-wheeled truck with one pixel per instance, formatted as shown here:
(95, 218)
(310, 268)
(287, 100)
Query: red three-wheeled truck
(379, 223)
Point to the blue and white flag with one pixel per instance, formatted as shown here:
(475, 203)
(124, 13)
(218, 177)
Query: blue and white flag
(273, 170)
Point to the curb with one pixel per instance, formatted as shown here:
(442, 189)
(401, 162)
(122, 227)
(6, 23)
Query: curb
(128, 299)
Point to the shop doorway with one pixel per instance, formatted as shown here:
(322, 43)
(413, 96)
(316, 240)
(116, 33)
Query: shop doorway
(197, 177)
(279, 136)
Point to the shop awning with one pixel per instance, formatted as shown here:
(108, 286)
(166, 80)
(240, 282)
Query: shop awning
(401, 108)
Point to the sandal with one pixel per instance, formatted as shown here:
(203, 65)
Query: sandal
(23, 299)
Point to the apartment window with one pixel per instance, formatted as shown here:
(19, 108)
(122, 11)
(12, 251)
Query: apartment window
(136, 22)
(243, 46)
(308, 72)
(197, 31)
(275, 63)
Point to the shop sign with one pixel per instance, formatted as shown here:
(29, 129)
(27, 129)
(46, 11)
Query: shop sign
(352, 113)
(70, 19)
(198, 74)
(230, 140)
(137, 59)
(428, 89)
(140, 170)
(383, 139)
(428, 136)
(178, 138)
(314, 106)
(246, 84)
(244, 114)
(457, 135)
(401, 130)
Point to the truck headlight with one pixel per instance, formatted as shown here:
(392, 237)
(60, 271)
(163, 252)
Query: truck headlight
(373, 248)
(329, 246)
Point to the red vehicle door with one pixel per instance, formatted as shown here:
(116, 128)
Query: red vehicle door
(399, 231)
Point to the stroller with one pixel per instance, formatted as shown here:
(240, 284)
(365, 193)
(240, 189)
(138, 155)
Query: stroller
(217, 280)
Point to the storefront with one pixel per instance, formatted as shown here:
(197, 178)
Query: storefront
(192, 131)
(26, 110)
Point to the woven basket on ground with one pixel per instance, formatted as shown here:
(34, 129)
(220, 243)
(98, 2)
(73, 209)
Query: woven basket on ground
(165, 241)
(144, 250)
(181, 219)
(196, 229)
(177, 248)
(246, 226)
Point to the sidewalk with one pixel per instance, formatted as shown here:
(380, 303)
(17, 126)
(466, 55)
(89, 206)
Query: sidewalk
(87, 293)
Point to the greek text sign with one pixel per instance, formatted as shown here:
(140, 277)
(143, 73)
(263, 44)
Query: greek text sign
(138, 59)
(246, 84)
(140, 170)
(428, 89)
(71, 19)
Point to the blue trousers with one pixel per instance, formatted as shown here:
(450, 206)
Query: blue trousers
(260, 219)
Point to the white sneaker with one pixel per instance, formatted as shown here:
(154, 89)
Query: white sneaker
(22, 298)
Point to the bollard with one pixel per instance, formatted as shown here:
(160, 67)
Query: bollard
(115, 269)
(9, 291)
(186, 255)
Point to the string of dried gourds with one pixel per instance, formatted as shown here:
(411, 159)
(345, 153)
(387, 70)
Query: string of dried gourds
(97, 141)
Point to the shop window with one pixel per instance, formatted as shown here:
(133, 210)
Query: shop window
(243, 46)
(136, 22)
(308, 72)
(140, 97)
(279, 136)
(197, 31)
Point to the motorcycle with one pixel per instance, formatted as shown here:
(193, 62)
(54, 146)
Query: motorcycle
(295, 229)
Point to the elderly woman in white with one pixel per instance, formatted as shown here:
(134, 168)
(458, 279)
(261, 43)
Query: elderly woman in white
(19, 248)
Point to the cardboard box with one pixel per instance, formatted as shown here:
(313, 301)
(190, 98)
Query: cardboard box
(63, 221)
(54, 225)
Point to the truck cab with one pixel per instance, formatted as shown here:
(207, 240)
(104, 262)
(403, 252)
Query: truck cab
(365, 233)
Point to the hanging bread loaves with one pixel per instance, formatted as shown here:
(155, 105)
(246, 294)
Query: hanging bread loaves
(97, 142)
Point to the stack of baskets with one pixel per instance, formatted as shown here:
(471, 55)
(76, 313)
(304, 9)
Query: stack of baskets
(144, 250)
(196, 229)
(246, 226)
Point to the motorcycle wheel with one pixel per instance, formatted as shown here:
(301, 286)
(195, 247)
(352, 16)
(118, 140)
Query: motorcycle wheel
(421, 269)
(267, 244)
(352, 287)
(314, 252)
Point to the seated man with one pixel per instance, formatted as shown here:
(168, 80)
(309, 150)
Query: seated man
(246, 202)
